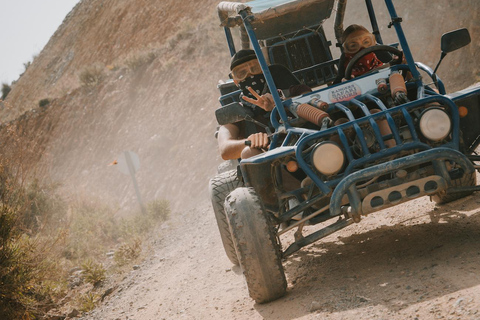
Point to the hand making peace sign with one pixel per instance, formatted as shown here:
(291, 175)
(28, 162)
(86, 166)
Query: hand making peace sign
(265, 101)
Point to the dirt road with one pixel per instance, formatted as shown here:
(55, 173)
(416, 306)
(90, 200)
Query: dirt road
(415, 261)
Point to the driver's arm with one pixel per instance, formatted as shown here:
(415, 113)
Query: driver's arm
(231, 145)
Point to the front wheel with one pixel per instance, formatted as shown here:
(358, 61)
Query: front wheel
(256, 243)
(220, 186)
(458, 179)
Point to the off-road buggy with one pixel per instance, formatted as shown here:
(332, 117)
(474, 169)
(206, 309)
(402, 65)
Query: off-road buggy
(400, 137)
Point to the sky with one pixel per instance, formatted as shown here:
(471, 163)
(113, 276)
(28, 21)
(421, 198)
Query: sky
(25, 28)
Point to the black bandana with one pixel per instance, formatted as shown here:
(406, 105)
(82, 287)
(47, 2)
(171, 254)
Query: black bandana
(256, 82)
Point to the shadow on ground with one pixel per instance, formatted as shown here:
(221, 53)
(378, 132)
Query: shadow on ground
(392, 266)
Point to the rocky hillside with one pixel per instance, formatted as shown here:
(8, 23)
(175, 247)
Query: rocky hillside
(153, 68)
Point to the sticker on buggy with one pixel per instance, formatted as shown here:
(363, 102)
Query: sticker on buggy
(345, 93)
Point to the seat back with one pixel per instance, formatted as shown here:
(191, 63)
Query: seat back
(306, 53)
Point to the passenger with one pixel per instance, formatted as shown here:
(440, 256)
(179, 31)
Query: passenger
(356, 38)
(247, 75)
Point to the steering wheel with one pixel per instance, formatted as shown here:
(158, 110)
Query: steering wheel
(376, 48)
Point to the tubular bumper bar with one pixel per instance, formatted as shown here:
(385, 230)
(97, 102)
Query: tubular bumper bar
(437, 156)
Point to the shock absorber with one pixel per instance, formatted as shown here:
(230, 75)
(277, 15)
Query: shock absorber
(319, 104)
(398, 89)
(310, 113)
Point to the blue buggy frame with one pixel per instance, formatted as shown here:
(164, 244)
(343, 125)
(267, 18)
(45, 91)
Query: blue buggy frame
(375, 175)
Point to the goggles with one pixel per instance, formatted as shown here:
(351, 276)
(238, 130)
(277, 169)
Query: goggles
(251, 67)
(354, 44)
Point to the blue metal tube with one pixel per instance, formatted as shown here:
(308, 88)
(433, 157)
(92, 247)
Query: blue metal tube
(403, 42)
(431, 155)
(376, 130)
(389, 118)
(266, 71)
(410, 124)
(429, 71)
(231, 44)
(356, 127)
(373, 21)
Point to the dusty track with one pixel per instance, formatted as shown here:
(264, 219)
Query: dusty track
(413, 261)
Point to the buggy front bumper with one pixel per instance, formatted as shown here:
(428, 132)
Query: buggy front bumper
(438, 182)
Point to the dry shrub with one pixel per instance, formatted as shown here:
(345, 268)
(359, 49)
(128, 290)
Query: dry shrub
(91, 76)
(159, 209)
(128, 252)
(136, 60)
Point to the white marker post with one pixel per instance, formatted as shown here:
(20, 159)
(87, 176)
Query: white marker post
(129, 163)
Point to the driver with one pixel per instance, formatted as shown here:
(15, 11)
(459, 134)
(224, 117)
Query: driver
(356, 38)
(247, 75)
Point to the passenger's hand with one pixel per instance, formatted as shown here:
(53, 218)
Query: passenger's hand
(265, 101)
(258, 140)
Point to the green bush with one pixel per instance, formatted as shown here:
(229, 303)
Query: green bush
(21, 269)
(94, 273)
(88, 301)
(16, 273)
(43, 103)
(5, 90)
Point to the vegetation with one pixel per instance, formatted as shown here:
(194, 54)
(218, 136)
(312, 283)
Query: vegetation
(94, 273)
(43, 103)
(128, 252)
(91, 76)
(43, 237)
(136, 60)
(5, 90)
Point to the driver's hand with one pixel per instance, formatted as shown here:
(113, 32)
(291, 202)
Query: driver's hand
(258, 140)
(265, 101)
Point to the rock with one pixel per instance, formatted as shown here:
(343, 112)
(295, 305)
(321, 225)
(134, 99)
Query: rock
(107, 292)
(458, 302)
(315, 306)
(136, 267)
(74, 313)
(54, 315)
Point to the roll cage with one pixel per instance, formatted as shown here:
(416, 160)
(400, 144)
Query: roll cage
(260, 21)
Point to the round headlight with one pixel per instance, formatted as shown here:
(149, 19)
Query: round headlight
(328, 158)
(435, 124)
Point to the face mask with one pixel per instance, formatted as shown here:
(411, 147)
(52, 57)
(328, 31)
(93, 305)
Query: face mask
(256, 82)
(365, 64)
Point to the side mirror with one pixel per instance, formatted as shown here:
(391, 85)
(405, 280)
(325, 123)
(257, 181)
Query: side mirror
(455, 40)
(231, 113)
(452, 41)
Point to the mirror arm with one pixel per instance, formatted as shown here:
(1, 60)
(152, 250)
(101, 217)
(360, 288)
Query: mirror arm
(267, 129)
(434, 75)
(438, 64)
